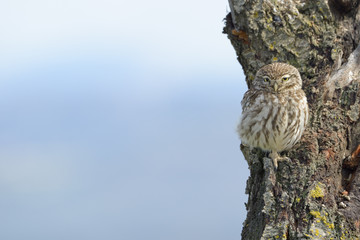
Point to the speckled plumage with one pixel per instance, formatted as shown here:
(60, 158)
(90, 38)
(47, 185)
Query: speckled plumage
(275, 110)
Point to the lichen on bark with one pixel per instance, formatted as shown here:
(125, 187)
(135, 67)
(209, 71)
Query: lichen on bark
(315, 193)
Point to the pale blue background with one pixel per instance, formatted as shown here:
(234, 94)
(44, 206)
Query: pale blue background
(117, 121)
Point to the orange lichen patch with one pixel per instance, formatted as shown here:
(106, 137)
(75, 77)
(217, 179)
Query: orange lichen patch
(357, 225)
(345, 193)
(241, 35)
(329, 154)
(353, 161)
(356, 153)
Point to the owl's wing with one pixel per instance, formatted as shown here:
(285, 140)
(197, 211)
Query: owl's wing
(250, 98)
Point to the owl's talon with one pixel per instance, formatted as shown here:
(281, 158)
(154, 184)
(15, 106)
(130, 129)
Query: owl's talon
(275, 157)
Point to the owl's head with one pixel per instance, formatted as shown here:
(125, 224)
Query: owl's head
(277, 77)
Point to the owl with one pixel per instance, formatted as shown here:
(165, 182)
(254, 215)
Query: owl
(274, 110)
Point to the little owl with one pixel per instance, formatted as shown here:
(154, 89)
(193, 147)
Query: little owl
(275, 110)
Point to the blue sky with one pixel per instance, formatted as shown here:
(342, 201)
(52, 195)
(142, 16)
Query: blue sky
(118, 121)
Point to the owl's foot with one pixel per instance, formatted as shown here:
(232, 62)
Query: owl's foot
(276, 158)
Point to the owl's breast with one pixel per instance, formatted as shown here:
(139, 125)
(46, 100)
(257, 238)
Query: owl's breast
(272, 122)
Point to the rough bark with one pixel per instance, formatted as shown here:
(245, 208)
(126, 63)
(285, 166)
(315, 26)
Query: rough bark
(316, 194)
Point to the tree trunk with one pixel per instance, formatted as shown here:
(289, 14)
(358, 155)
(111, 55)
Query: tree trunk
(315, 195)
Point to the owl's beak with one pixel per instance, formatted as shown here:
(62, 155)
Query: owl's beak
(276, 86)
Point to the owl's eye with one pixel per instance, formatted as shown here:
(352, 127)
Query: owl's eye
(266, 79)
(285, 78)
